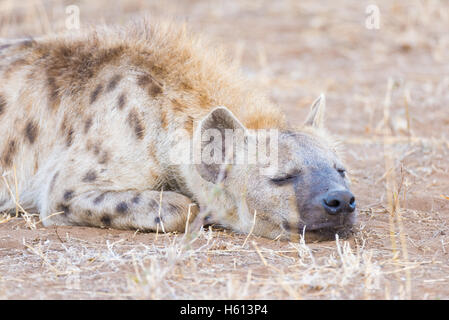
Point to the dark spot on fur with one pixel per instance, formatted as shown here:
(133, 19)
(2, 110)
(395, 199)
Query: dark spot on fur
(164, 120)
(106, 220)
(31, 131)
(67, 130)
(154, 205)
(104, 157)
(113, 82)
(121, 101)
(100, 198)
(88, 213)
(90, 176)
(9, 153)
(53, 93)
(136, 123)
(154, 89)
(172, 207)
(63, 208)
(88, 124)
(97, 149)
(136, 199)
(69, 138)
(94, 95)
(157, 220)
(68, 195)
(122, 207)
(286, 225)
(2, 104)
(143, 80)
(146, 80)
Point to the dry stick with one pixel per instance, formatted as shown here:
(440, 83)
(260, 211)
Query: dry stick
(259, 253)
(160, 209)
(408, 284)
(264, 261)
(188, 217)
(6, 218)
(391, 188)
(251, 230)
(49, 216)
(388, 164)
(157, 233)
(17, 190)
(407, 112)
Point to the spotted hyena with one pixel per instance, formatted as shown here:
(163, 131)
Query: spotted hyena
(89, 122)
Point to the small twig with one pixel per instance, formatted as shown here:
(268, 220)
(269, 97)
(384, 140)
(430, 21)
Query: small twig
(251, 230)
(259, 253)
(160, 209)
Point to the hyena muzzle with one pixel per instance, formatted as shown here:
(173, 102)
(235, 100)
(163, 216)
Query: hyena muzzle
(89, 124)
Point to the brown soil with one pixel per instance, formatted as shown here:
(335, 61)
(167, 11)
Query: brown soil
(294, 51)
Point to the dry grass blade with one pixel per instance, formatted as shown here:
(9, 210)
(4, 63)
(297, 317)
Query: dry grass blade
(251, 230)
(393, 192)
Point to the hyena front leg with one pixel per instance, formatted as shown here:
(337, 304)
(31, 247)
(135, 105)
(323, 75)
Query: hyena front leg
(147, 210)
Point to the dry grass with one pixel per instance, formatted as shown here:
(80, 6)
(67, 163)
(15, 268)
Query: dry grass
(388, 100)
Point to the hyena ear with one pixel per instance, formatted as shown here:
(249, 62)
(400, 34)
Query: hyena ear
(317, 113)
(210, 139)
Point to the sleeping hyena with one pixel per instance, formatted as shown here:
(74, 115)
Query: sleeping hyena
(88, 123)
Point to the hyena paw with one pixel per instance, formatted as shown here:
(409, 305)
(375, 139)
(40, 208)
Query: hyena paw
(172, 211)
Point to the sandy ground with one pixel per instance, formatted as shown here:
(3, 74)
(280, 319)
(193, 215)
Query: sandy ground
(388, 100)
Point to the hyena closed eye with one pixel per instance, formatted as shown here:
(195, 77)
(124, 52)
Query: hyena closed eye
(90, 123)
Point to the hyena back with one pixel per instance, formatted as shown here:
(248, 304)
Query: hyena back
(88, 123)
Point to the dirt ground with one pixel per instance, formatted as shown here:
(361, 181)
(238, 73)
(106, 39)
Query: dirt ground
(387, 94)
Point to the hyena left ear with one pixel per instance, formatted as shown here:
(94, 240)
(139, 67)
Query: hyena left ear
(317, 112)
(210, 138)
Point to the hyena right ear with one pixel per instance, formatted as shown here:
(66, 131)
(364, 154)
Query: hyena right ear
(210, 139)
(317, 111)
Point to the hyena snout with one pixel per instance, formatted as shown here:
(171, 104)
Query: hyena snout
(339, 202)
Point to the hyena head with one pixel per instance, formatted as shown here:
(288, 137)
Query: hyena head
(303, 188)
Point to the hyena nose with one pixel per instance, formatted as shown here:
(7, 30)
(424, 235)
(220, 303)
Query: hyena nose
(336, 202)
